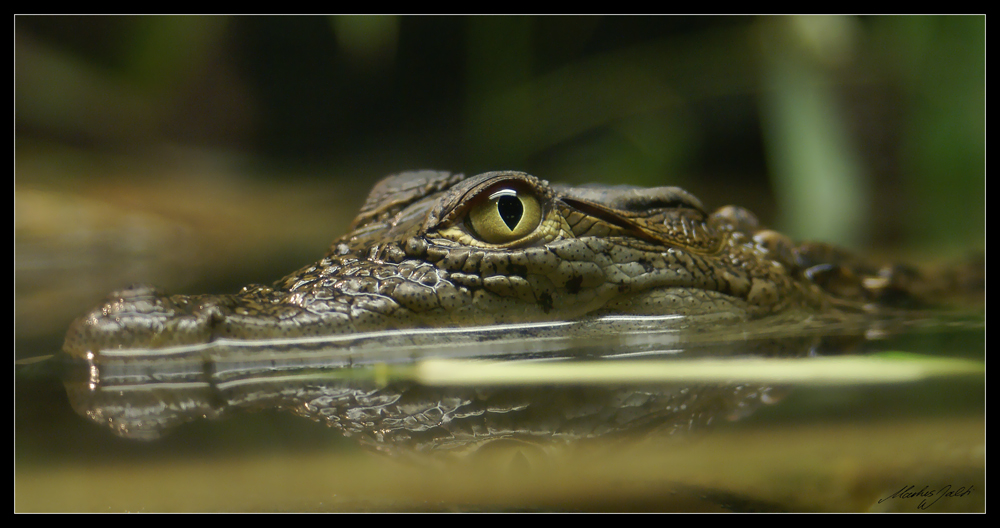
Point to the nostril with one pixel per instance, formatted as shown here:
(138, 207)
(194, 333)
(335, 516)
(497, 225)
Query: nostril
(141, 317)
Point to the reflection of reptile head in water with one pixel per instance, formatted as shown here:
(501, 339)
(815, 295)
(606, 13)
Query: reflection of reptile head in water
(433, 250)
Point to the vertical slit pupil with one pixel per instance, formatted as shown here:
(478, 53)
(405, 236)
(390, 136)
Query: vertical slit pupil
(510, 210)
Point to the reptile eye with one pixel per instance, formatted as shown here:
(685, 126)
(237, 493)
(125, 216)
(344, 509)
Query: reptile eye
(505, 215)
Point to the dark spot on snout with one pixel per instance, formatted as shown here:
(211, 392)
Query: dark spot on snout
(573, 285)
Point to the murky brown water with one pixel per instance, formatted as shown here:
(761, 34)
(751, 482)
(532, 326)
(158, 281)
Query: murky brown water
(809, 449)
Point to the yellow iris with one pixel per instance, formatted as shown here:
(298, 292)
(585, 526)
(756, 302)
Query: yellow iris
(505, 216)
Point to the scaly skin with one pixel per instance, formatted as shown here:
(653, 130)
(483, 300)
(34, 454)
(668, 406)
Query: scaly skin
(413, 259)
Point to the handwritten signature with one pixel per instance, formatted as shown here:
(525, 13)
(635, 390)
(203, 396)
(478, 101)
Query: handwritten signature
(927, 495)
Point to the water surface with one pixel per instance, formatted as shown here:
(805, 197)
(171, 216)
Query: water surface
(390, 444)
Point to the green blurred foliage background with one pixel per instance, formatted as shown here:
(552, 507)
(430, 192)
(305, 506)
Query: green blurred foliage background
(840, 118)
(864, 131)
